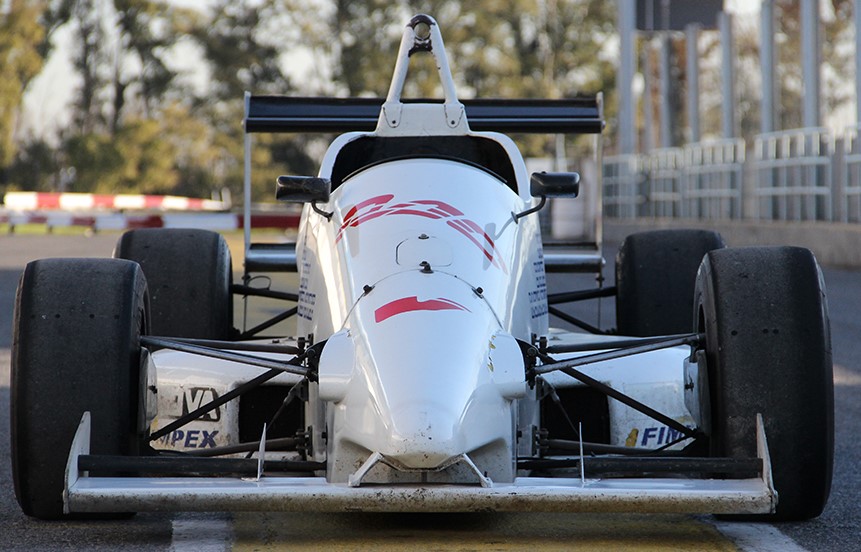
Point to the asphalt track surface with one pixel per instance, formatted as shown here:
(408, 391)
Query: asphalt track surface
(839, 528)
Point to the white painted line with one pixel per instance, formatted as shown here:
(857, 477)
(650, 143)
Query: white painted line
(845, 376)
(202, 533)
(5, 366)
(756, 537)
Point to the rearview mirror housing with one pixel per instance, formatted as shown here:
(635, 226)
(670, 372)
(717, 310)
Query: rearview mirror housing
(545, 184)
(303, 189)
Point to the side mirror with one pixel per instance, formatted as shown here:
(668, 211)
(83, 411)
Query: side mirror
(303, 189)
(546, 184)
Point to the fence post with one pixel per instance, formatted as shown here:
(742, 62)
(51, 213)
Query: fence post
(749, 182)
(838, 180)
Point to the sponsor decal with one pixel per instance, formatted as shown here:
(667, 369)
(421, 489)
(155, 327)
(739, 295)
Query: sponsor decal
(191, 438)
(659, 436)
(538, 303)
(412, 304)
(383, 206)
(195, 397)
(307, 299)
(538, 298)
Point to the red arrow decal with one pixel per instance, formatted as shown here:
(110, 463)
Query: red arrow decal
(410, 304)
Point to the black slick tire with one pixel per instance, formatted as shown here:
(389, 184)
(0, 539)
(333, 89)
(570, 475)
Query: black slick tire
(189, 274)
(76, 348)
(655, 276)
(768, 351)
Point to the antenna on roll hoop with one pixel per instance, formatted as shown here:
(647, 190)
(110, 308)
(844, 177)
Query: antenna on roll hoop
(422, 35)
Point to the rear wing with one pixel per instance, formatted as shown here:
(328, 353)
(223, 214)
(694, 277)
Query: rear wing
(284, 114)
(582, 115)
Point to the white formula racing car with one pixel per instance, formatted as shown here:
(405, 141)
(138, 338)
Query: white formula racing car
(425, 375)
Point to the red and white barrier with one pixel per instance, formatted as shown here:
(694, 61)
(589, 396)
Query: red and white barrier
(124, 212)
(122, 221)
(44, 201)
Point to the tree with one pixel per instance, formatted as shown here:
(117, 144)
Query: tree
(145, 34)
(35, 166)
(837, 53)
(20, 60)
(121, 45)
(242, 48)
(137, 159)
(239, 55)
(514, 48)
(89, 61)
(511, 48)
(836, 62)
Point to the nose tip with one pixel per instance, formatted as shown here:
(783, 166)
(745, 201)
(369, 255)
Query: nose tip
(423, 438)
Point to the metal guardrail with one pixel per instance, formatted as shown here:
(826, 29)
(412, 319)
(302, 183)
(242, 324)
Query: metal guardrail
(851, 211)
(664, 187)
(793, 169)
(712, 176)
(697, 181)
(794, 175)
(623, 176)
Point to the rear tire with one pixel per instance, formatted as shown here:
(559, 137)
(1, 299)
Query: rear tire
(655, 276)
(189, 274)
(75, 348)
(768, 351)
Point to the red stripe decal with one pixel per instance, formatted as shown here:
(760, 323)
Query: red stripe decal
(411, 304)
(440, 205)
(378, 206)
(414, 213)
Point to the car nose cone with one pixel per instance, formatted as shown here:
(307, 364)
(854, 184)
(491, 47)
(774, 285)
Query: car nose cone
(423, 438)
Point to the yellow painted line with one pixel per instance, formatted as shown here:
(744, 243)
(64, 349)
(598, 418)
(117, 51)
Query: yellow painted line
(530, 532)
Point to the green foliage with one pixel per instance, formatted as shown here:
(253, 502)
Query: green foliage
(241, 56)
(511, 48)
(507, 49)
(148, 164)
(35, 167)
(137, 159)
(129, 163)
(238, 54)
(89, 61)
(838, 32)
(96, 160)
(145, 29)
(20, 61)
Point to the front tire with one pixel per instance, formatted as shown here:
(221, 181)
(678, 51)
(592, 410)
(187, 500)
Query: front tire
(655, 276)
(189, 273)
(768, 351)
(75, 348)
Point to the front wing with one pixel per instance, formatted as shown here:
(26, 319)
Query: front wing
(263, 493)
